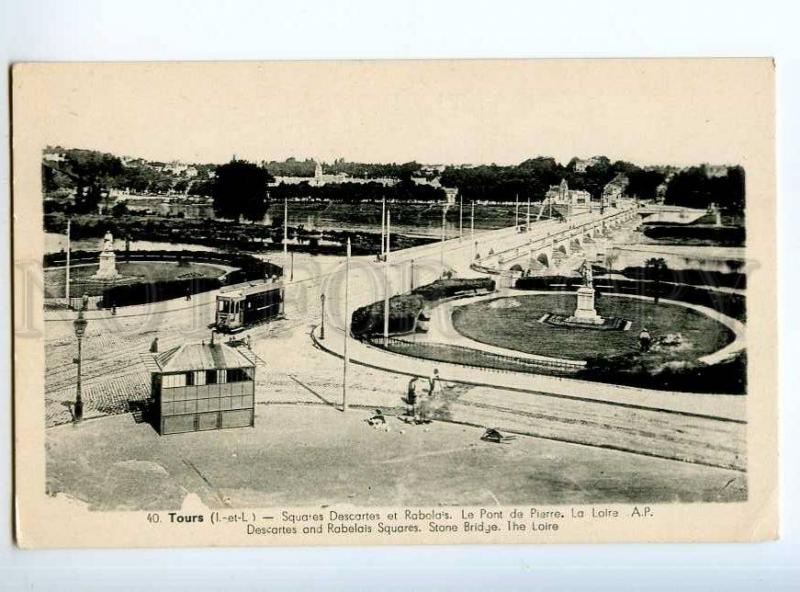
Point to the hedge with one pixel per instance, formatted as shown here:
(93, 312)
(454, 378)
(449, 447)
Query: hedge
(250, 269)
(632, 369)
(405, 308)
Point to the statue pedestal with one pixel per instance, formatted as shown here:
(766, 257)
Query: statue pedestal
(108, 267)
(585, 312)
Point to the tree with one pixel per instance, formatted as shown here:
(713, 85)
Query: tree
(643, 184)
(119, 209)
(87, 198)
(240, 189)
(656, 268)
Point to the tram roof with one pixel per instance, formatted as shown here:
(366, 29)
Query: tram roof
(244, 288)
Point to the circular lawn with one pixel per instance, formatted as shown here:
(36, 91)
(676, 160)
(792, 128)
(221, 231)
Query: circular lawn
(81, 281)
(513, 323)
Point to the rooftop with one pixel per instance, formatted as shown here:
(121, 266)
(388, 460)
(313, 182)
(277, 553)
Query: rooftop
(201, 356)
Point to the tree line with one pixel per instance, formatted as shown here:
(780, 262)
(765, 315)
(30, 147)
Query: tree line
(241, 188)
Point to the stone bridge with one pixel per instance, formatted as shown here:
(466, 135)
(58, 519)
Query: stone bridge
(556, 244)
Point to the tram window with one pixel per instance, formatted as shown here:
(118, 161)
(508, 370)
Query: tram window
(220, 305)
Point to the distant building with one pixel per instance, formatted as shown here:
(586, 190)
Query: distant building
(202, 386)
(561, 194)
(320, 178)
(452, 194)
(716, 170)
(615, 190)
(582, 164)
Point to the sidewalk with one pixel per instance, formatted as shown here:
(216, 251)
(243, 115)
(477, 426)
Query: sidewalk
(725, 407)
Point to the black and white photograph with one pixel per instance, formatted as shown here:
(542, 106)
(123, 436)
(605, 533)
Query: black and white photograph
(359, 298)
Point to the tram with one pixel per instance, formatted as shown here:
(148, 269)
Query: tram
(240, 306)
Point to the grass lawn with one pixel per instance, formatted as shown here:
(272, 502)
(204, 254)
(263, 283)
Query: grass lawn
(145, 271)
(518, 327)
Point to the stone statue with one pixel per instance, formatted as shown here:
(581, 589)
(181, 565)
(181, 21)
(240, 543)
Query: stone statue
(586, 273)
(108, 242)
(107, 269)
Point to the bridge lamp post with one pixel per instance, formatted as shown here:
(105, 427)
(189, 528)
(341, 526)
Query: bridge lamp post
(80, 330)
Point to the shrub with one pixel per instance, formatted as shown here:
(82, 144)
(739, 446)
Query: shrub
(634, 369)
(405, 308)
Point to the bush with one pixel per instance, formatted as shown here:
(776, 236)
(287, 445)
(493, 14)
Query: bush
(697, 277)
(250, 268)
(147, 292)
(405, 308)
(447, 288)
(403, 313)
(634, 369)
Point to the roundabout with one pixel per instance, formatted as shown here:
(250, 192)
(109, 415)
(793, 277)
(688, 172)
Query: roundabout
(515, 323)
(82, 276)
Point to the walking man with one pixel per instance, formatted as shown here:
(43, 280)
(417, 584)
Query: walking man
(411, 397)
(435, 384)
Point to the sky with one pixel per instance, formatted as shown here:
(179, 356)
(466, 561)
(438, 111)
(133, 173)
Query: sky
(649, 112)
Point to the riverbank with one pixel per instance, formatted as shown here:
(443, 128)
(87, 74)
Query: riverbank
(225, 235)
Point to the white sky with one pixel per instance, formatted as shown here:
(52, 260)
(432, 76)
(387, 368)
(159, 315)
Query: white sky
(649, 112)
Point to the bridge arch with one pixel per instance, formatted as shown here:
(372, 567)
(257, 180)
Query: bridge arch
(543, 259)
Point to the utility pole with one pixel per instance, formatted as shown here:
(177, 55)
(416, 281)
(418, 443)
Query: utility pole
(441, 249)
(69, 248)
(386, 280)
(383, 227)
(472, 230)
(528, 216)
(291, 273)
(346, 356)
(516, 210)
(285, 235)
(412, 276)
(460, 217)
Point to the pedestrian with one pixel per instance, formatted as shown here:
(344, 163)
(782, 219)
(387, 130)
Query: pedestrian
(154, 346)
(188, 293)
(411, 397)
(435, 384)
(644, 340)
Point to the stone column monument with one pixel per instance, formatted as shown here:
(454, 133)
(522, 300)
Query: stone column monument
(108, 261)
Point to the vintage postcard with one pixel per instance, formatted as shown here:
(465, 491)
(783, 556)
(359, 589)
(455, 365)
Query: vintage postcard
(394, 302)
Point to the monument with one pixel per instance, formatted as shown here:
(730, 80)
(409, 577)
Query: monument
(585, 315)
(108, 261)
(585, 311)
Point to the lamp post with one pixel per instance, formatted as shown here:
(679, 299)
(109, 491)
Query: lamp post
(322, 313)
(80, 330)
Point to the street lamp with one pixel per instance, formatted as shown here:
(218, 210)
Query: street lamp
(80, 330)
(322, 325)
